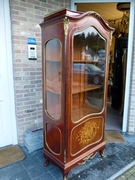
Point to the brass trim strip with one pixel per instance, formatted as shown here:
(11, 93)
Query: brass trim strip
(66, 24)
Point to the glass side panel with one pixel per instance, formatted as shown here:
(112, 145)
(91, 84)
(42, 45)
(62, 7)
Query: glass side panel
(89, 63)
(53, 59)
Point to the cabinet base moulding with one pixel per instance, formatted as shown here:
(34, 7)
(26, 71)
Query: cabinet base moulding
(79, 160)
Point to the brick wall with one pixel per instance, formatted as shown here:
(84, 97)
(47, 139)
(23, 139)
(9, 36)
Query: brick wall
(26, 15)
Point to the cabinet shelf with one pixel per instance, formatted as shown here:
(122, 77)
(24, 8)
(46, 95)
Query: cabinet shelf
(79, 89)
(81, 112)
(86, 61)
(75, 89)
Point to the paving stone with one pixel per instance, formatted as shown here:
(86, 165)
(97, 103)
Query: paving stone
(122, 178)
(30, 162)
(14, 168)
(131, 178)
(21, 175)
(132, 171)
(3, 175)
(46, 176)
(57, 174)
(127, 174)
(37, 171)
(117, 157)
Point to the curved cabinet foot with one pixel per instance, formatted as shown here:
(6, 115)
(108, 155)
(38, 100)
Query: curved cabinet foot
(101, 152)
(65, 177)
(46, 162)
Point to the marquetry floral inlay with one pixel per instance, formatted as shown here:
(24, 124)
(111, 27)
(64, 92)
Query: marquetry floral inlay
(87, 133)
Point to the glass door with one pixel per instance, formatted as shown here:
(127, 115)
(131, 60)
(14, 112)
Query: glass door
(89, 64)
(52, 76)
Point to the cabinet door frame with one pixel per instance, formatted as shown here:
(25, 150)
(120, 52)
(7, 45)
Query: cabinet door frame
(129, 56)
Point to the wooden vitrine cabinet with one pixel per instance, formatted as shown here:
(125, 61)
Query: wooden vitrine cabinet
(75, 53)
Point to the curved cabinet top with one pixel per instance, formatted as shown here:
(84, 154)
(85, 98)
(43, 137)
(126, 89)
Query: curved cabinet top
(74, 15)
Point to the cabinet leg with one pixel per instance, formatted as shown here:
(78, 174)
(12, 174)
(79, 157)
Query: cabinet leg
(65, 177)
(46, 162)
(101, 152)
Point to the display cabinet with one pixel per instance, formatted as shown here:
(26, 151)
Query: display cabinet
(75, 56)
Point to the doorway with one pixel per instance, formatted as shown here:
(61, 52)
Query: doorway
(118, 114)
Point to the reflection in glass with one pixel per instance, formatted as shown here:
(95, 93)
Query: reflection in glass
(53, 78)
(88, 73)
(89, 44)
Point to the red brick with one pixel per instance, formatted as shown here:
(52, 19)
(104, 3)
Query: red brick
(22, 91)
(54, 3)
(17, 60)
(23, 99)
(23, 116)
(20, 112)
(39, 69)
(39, 85)
(15, 22)
(41, 116)
(33, 2)
(30, 102)
(29, 86)
(28, 69)
(19, 104)
(39, 8)
(16, 41)
(31, 118)
(29, 94)
(29, 78)
(35, 73)
(17, 78)
(21, 65)
(19, 96)
(17, 51)
(15, 12)
(17, 69)
(18, 37)
(36, 82)
(23, 107)
(24, 4)
(18, 8)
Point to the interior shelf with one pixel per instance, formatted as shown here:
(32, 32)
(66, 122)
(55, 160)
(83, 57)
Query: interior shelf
(78, 114)
(78, 89)
(87, 61)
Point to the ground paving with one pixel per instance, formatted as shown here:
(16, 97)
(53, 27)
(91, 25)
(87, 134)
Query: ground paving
(128, 175)
(117, 164)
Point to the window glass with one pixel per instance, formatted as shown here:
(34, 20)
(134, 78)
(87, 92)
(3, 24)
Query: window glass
(89, 63)
(52, 78)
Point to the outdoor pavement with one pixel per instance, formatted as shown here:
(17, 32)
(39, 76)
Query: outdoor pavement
(129, 174)
(117, 164)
